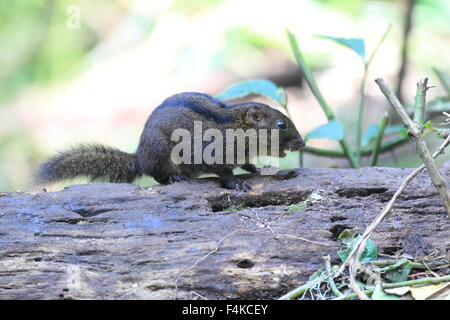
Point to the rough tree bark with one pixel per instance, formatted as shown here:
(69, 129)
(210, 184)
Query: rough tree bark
(120, 241)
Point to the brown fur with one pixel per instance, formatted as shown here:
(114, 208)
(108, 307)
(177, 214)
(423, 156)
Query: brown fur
(153, 155)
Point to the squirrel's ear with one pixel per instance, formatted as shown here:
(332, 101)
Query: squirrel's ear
(254, 115)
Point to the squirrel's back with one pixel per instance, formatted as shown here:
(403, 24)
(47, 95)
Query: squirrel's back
(98, 162)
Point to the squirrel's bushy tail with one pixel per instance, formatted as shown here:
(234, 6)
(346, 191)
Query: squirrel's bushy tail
(94, 161)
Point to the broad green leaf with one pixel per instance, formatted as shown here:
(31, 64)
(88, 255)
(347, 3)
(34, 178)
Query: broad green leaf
(370, 134)
(260, 87)
(370, 253)
(439, 105)
(399, 274)
(396, 129)
(332, 130)
(356, 44)
(347, 236)
(379, 294)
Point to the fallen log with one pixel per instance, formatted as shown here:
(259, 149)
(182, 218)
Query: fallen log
(194, 239)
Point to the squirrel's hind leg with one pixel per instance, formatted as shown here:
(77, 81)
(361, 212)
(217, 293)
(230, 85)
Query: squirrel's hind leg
(153, 157)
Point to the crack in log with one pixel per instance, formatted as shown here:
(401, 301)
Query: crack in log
(360, 192)
(229, 201)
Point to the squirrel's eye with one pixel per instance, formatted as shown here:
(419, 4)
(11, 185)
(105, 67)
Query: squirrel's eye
(281, 124)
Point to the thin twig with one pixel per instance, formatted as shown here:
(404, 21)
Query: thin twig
(353, 269)
(329, 273)
(277, 234)
(203, 258)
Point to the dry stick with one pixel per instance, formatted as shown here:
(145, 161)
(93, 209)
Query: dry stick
(353, 269)
(329, 273)
(415, 131)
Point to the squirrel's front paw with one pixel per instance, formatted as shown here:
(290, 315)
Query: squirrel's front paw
(237, 185)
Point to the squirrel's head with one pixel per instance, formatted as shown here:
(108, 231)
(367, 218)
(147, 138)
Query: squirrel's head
(261, 116)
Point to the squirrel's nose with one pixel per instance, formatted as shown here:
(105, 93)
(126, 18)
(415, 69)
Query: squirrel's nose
(301, 142)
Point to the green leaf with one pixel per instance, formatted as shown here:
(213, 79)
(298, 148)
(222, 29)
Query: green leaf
(370, 253)
(372, 131)
(379, 294)
(399, 274)
(396, 129)
(356, 44)
(294, 207)
(439, 105)
(370, 134)
(332, 130)
(260, 87)
(349, 238)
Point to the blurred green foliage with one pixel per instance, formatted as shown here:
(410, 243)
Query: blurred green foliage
(34, 47)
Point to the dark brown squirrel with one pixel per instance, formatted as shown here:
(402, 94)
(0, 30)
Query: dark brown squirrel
(153, 155)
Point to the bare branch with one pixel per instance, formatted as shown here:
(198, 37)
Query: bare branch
(415, 131)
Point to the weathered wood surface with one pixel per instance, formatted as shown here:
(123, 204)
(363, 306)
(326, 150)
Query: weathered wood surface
(120, 241)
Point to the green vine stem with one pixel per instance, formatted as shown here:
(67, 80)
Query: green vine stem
(387, 146)
(363, 95)
(301, 290)
(330, 274)
(414, 265)
(419, 106)
(377, 145)
(416, 282)
(318, 95)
